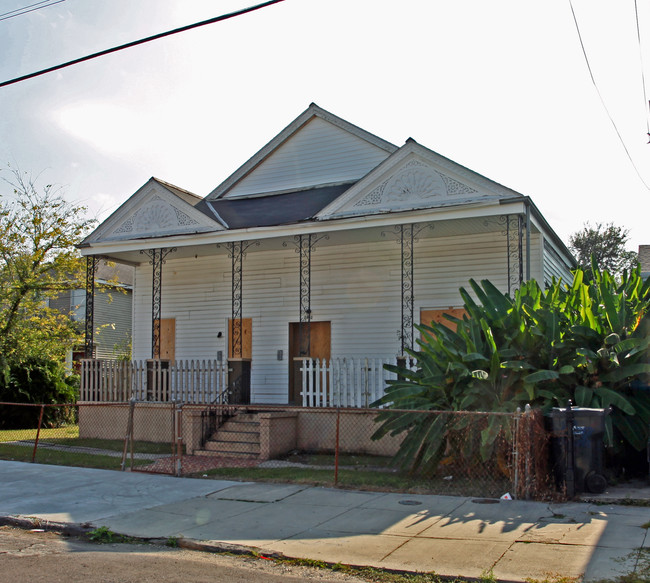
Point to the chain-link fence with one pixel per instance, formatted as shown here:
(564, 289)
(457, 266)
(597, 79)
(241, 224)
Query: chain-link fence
(442, 452)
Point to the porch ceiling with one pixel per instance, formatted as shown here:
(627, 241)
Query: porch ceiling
(341, 233)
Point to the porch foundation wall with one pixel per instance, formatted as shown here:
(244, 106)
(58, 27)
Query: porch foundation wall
(152, 422)
(317, 432)
(311, 430)
(278, 434)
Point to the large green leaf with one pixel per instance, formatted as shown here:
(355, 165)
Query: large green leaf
(542, 375)
(609, 397)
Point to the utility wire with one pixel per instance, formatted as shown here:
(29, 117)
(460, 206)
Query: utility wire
(142, 41)
(645, 96)
(602, 101)
(23, 10)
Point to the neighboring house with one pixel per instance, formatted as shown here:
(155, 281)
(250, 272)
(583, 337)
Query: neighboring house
(112, 310)
(329, 243)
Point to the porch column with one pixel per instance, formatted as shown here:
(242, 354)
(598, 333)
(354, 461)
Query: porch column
(304, 245)
(91, 266)
(240, 367)
(406, 235)
(157, 257)
(513, 229)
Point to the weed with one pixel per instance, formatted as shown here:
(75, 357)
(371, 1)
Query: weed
(554, 578)
(102, 535)
(172, 541)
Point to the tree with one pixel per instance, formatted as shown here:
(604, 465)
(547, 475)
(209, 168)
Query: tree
(39, 231)
(605, 243)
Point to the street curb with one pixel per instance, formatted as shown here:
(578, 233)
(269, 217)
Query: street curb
(72, 529)
(29, 523)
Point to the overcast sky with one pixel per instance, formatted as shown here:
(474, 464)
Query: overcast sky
(500, 87)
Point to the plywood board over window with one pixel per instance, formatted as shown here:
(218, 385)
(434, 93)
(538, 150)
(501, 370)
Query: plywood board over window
(168, 339)
(246, 339)
(438, 315)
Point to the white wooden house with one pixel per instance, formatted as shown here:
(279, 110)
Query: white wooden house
(328, 243)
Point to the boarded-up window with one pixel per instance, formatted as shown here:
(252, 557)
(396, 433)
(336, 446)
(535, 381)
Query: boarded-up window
(168, 339)
(428, 316)
(246, 331)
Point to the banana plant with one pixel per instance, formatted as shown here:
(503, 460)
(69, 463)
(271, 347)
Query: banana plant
(588, 341)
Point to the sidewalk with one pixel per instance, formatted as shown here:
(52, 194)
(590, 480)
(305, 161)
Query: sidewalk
(449, 535)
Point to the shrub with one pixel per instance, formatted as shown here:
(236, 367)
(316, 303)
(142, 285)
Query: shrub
(36, 381)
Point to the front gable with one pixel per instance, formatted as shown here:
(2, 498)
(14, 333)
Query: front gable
(155, 210)
(414, 178)
(316, 149)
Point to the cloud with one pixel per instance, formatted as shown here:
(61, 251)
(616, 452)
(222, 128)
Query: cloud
(109, 128)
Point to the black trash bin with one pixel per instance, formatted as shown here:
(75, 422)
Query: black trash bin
(578, 449)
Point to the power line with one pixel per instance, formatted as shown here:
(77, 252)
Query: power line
(141, 41)
(24, 9)
(602, 101)
(645, 97)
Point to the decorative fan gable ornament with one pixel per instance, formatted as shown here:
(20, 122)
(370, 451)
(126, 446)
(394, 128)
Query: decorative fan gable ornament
(155, 217)
(414, 183)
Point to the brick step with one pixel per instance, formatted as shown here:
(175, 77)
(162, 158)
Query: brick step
(241, 425)
(230, 454)
(232, 435)
(232, 447)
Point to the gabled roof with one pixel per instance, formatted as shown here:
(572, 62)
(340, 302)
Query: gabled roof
(189, 197)
(276, 209)
(156, 209)
(412, 178)
(286, 163)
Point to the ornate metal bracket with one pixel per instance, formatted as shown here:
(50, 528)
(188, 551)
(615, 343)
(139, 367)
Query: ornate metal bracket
(92, 261)
(237, 252)
(304, 246)
(406, 235)
(513, 230)
(157, 258)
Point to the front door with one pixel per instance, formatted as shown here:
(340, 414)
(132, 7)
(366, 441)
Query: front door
(320, 344)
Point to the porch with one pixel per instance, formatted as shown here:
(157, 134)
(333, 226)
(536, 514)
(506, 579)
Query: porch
(334, 382)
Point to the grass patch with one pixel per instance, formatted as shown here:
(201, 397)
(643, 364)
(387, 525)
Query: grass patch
(350, 479)
(64, 458)
(69, 435)
(65, 432)
(345, 460)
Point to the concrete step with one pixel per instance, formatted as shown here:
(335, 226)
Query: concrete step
(239, 436)
(228, 454)
(232, 435)
(232, 447)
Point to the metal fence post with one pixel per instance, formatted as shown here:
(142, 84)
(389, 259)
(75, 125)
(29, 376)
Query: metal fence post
(38, 432)
(515, 452)
(128, 436)
(336, 446)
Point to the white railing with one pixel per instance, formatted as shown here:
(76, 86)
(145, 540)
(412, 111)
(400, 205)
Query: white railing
(344, 382)
(184, 381)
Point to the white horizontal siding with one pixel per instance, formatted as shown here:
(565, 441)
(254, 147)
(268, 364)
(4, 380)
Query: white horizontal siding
(320, 153)
(554, 265)
(355, 287)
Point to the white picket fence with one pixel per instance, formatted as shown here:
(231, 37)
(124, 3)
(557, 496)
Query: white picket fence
(344, 382)
(183, 381)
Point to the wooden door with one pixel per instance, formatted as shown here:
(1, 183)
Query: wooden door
(246, 339)
(168, 339)
(320, 345)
